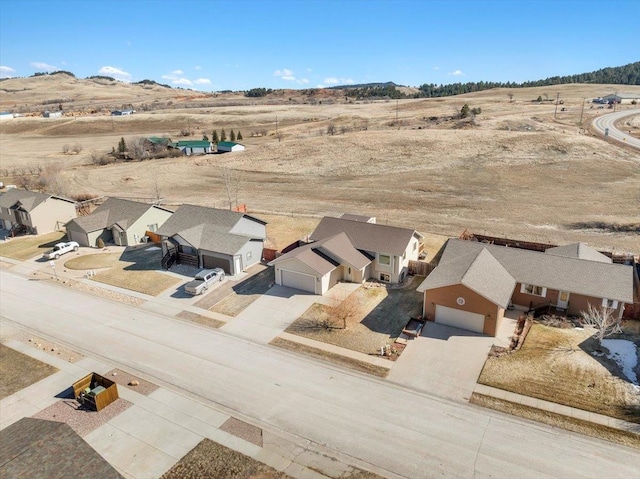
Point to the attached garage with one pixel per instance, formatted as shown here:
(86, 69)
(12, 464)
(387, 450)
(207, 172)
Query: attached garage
(210, 262)
(293, 279)
(459, 319)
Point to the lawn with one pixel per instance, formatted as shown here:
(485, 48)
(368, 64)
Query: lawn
(93, 261)
(557, 365)
(245, 293)
(18, 371)
(378, 318)
(26, 247)
(137, 270)
(282, 230)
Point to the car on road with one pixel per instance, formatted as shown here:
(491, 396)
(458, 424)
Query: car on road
(60, 249)
(204, 280)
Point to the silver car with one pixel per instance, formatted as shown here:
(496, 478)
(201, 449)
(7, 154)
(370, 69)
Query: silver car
(203, 280)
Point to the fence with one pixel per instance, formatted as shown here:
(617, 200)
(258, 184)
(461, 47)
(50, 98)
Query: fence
(153, 237)
(420, 268)
(269, 254)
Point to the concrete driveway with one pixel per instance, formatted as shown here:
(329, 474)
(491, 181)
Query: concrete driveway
(443, 361)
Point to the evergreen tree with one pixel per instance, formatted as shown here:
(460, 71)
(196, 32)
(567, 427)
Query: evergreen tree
(205, 137)
(232, 136)
(223, 135)
(214, 137)
(122, 146)
(239, 137)
(464, 112)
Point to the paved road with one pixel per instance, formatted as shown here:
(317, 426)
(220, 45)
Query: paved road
(601, 123)
(404, 432)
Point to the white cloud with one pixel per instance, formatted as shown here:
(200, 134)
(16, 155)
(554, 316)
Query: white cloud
(285, 72)
(320, 86)
(436, 68)
(114, 72)
(43, 66)
(338, 81)
(303, 81)
(177, 72)
(202, 81)
(182, 81)
(6, 72)
(197, 67)
(457, 73)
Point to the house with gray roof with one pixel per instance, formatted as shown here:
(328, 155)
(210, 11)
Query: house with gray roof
(210, 238)
(348, 249)
(118, 221)
(38, 212)
(474, 283)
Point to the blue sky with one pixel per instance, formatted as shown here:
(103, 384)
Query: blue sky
(237, 45)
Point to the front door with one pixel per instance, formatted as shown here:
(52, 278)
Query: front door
(238, 265)
(347, 275)
(563, 300)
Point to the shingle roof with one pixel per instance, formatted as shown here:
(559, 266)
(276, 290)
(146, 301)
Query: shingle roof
(157, 140)
(208, 228)
(580, 251)
(478, 271)
(589, 278)
(352, 217)
(29, 199)
(41, 449)
(366, 236)
(325, 255)
(114, 211)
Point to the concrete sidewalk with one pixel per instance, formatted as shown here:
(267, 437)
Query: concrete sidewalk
(148, 438)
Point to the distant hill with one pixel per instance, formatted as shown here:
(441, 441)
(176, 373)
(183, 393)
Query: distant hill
(365, 85)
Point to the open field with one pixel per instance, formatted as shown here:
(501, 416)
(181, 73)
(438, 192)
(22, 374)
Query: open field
(557, 365)
(26, 247)
(18, 371)
(515, 170)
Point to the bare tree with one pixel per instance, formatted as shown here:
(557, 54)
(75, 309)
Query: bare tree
(603, 320)
(342, 309)
(231, 180)
(510, 97)
(136, 149)
(331, 129)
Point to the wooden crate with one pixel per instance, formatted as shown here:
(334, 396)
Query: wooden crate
(92, 381)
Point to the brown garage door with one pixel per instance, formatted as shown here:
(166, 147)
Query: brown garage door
(213, 262)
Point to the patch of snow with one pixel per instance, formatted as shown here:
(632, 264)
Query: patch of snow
(625, 354)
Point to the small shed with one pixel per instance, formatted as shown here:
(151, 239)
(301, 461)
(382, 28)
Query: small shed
(229, 146)
(121, 112)
(52, 114)
(5, 115)
(95, 390)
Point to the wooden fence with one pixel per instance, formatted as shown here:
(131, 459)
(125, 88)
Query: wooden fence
(420, 268)
(269, 254)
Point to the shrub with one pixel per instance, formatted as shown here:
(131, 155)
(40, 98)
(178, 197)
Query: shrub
(100, 243)
(66, 149)
(77, 148)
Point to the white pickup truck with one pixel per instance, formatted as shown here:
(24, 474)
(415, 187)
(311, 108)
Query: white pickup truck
(60, 249)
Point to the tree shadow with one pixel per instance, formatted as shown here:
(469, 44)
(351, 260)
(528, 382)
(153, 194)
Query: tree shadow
(141, 259)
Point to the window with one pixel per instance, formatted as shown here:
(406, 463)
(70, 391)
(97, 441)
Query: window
(415, 246)
(153, 228)
(248, 255)
(609, 303)
(385, 277)
(384, 259)
(533, 290)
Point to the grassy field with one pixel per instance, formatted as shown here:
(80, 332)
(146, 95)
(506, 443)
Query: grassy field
(626, 438)
(18, 371)
(282, 230)
(245, 293)
(556, 365)
(378, 318)
(93, 261)
(344, 361)
(26, 247)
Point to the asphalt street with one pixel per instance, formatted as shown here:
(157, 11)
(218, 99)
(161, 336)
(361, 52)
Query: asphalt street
(400, 430)
(606, 121)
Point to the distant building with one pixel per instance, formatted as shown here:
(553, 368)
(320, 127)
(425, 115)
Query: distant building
(622, 98)
(52, 114)
(121, 112)
(227, 146)
(193, 147)
(5, 115)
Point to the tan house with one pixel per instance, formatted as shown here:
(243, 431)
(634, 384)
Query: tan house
(350, 249)
(474, 283)
(39, 213)
(122, 222)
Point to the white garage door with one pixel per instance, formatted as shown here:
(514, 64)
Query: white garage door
(301, 281)
(459, 319)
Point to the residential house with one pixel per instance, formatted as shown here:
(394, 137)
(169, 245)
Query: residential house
(622, 98)
(157, 143)
(5, 115)
(39, 212)
(52, 114)
(348, 250)
(122, 112)
(229, 146)
(209, 238)
(193, 147)
(118, 221)
(474, 283)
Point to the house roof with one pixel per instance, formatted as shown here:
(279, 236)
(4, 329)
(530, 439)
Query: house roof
(325, 255)
(114, 211)
(41, 449)
(228, 144)
(29, 200)
(194, 143)
(157, 140)
(586, 277)
(366, 236)
(479, 271)
(208, 228)
(580, 251)
(352, 217)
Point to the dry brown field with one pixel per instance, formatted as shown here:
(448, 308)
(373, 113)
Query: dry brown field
(520, 169)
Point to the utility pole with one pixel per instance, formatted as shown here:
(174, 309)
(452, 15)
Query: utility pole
(276, 125)
(397, 110)
(582, 112)
(556, 110)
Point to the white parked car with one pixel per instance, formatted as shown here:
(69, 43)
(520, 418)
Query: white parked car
(203, 280)
(60, 249)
